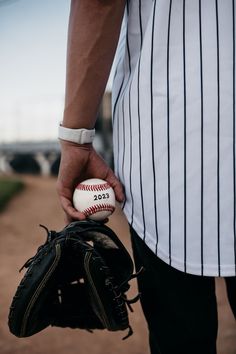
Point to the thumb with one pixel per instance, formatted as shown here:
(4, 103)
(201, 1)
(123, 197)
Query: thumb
(116, 185)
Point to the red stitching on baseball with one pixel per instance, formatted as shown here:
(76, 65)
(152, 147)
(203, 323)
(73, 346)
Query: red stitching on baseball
(93, 187)
(100, 207)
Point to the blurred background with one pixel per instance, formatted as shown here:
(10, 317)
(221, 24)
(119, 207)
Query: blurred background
(32, 70)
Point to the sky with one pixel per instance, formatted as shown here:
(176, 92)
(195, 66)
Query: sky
(33, 38)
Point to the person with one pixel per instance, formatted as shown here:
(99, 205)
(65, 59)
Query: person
(174, 150)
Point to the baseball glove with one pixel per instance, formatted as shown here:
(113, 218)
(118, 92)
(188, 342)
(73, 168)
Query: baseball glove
(78, 278)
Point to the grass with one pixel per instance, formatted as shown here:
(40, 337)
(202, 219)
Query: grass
(8, 188)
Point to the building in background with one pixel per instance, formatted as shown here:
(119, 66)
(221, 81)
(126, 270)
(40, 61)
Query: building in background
(43, 156)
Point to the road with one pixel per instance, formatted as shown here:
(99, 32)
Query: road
(19, 238)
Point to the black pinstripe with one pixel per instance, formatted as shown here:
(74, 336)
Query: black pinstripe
(121, 85)
(168, 125)
(152, 130)
(118, 125)
(139, 125)
(218, 133)
(115, 105)
(123, 97)
(202, 146)
(234, 181)
(118, 95)
(131, 159)
(123, 155)
(185, 148)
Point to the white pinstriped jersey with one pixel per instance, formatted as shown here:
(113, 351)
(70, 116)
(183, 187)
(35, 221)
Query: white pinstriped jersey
(174, 130)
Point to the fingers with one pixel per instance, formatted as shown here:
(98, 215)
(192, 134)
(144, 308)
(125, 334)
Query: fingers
(116, 185)
(70, 212)
(77, 166)
(98, 168)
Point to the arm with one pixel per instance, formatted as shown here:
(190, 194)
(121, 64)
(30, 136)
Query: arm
(93, 34)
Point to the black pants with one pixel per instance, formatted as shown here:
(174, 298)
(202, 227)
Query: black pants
(180, 308)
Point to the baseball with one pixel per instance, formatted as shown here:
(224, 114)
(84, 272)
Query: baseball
(95, 198)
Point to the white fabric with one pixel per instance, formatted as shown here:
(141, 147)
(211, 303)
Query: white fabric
(174, 130)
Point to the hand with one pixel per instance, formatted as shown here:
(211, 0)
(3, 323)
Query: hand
(80, 162)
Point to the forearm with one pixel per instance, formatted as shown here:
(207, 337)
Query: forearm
(93, 34)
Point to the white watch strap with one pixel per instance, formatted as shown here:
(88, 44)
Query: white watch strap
(78, 136)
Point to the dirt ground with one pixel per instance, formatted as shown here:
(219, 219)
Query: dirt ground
(19, 238)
